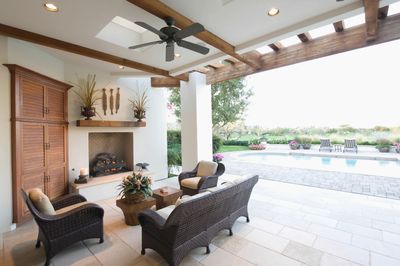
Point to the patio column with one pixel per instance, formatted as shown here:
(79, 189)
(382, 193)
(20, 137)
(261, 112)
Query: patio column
(196, 124)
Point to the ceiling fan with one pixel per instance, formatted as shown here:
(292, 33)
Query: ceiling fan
(172, 35)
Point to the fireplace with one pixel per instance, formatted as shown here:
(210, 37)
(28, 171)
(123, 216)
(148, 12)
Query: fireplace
(110, 153)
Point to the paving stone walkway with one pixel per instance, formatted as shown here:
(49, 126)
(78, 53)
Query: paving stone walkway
(386, 187)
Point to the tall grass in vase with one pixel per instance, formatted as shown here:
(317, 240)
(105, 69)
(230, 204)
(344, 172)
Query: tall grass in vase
(88, 94)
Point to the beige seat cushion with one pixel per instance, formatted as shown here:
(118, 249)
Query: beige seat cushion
(165, 212)
(71, 207)
(222, 186)
(41, 201)
(206, 168)
(187, 198)
(191, 182)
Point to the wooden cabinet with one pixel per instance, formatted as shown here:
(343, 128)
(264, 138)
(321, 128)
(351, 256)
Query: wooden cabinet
(39, 136)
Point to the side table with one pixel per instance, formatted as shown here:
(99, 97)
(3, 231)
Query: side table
(132, 209)
(168, 197)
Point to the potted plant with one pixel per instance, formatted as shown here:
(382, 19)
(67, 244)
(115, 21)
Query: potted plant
(305, 143)
(218, 157)
(135, 195)
(383, 145)
(88, 95)
(294, 145)
(257, 145)
(139, 105)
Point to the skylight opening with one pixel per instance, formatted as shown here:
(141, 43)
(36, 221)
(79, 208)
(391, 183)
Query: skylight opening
(394, 9)
(264, 49)
(322, 31)
(354, 21)
(290, 41)
(128, 24)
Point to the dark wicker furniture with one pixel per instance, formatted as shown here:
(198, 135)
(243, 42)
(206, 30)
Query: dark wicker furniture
(194, 223)
(57, 232)
(204, 183)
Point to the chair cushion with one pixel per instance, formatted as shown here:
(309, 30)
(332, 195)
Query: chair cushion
(191, 182)
(206, 168)
(222, 186)
(41, 201)
(71, 207)
(187, 198)
(165, 212)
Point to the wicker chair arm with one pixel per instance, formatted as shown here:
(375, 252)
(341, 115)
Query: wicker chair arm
(55, 226)
(187, 174)
(152, 217)
(208, 181)
(67, 200)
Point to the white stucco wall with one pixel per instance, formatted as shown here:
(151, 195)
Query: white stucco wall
(24, 54)
(149, 143)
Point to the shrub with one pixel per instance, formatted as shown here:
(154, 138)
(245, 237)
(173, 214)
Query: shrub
(236, 143)
(174, 137)
(217, 143)
(383, 145)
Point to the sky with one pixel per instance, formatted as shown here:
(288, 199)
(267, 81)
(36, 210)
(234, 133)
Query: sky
(360, 88)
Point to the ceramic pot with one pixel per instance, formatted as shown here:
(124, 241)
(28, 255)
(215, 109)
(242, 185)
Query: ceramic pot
(88, 112)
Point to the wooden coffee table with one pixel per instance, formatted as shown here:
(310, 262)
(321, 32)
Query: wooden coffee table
(169, 197)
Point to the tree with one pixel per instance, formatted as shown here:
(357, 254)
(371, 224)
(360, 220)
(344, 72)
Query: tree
(229, 101)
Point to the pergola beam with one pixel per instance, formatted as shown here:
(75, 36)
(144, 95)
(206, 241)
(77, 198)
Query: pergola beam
(77, 49)
(304, 37)
(383, 12)
(331, 44)
(161, 10)
(276, 46)
(371, 8)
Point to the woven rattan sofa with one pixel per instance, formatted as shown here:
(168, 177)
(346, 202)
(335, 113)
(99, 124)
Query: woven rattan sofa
(204, 176)
(194, 223)
(75, 220)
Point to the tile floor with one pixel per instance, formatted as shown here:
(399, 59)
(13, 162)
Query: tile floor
(291, 225)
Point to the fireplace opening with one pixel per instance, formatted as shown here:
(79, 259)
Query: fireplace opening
(110, 153)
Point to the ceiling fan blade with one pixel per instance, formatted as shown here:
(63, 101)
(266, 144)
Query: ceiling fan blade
(189, 31)
(194, 47)
(170, 53)
(152, 29)
(144, 44)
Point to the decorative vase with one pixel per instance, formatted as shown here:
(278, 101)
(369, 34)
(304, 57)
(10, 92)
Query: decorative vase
(294, 146)
(88, 112)
(306, 146)
(140, 115)
(384, 149)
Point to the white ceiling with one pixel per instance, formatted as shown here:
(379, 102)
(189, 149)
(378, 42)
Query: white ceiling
(243, 23)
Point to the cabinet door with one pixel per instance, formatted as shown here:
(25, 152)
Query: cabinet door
(57, 182)
(31, 103)
(30, 148)
(56, 104)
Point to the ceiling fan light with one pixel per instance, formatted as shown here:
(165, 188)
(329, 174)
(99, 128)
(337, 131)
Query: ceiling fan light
(177, 55)
(273, 11)
(50, 7)
(121, 67)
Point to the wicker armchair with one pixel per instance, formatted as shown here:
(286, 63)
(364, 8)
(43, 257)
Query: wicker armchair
(57, 232)
(200, 182)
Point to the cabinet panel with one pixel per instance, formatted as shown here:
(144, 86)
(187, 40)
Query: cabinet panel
(56, 152)
(56, 99)
(56, 185)
(29, 181)
(32, 100)
(32, 148)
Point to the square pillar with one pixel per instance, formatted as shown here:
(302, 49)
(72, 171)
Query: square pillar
(196, 121)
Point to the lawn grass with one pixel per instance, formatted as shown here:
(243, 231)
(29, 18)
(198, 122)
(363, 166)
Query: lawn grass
(228, 148)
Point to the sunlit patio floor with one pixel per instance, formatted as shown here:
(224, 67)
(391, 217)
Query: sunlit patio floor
(290, 225)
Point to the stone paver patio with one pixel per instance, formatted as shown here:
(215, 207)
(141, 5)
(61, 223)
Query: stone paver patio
(380, 186)
(290, 225)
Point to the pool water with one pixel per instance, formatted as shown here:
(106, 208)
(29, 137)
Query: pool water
(349, 165)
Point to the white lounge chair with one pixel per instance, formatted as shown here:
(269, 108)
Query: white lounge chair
(325, 145)
(350, 145)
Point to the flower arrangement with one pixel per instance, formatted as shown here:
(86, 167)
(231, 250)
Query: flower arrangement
(257, 145)
(139, 105)
(218, 157)
(135, 187)
(294, 145)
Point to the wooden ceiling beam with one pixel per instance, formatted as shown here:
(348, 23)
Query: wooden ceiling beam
(161, 10)
(339, 26)
(383, 12)
(76, 49)
(276, 46)
(371, 8)
(350, 39)
(304, 37)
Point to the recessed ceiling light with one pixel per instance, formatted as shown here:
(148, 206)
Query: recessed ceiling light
(177, 55)
(51, 7)
(121, 67)
(273, 11)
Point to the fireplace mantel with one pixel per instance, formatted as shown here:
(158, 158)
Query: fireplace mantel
(103, 123)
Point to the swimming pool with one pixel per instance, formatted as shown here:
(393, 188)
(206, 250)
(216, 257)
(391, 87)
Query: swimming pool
(350, 165)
